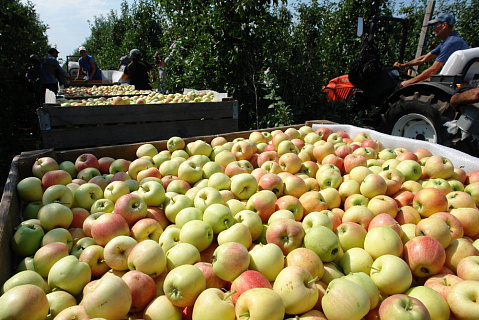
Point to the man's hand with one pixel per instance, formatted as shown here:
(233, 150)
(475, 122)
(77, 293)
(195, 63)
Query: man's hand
(454, 101)
(398, 65)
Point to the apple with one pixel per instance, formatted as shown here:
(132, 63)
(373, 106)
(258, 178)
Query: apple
(381, 241)
(243, 185)
(401, 306)
(307, 259)
(345, 299)
(230, 260)
(424, 255)
(461, 299)
(219, 217)
(148, 257)
(407, 214)
(169, 238)
(142, 288)
(468, 268)
(267, 259)
(262, 203)
(198, 233)
(373, 185)
(59, 301)
(69, 274)
(80, 245)
(435, 304)
(131, 207)
(44, 164)
(238, 232)
(469, 218)
(183, 285)
(108, 226)
(391, 274)
(435, 228)
(473, 190)
(100, 205)
(429, 200)
(58, 235)
(296, 287)
(351, 235)
(355, 260)
(69, 167)
(212, 280)
(410, 169)
(93, 255)
(292, 204)
(324, 242)
(207, 196)
(437, 166)
(86, 160)
(24, 302)
(260, 303)
(252, 221)
(119, 165)
(213, 304)
(146, 228)
(457, 250)
(27, 239)
(358, 214)
(248, 280)
(117, 250)
(363, 280)
(162, 305)
(442, 283)
(86, 194)
(25, 277)
(109, 298)
(288, 234)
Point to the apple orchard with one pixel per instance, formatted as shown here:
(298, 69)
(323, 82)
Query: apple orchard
(287, 224)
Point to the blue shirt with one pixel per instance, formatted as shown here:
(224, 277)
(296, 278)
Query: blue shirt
(86, 65)
(448, 47)
(49, 67)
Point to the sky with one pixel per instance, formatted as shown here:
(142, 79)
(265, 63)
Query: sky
(68, 20)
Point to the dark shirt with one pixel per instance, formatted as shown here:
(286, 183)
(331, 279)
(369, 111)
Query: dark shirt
(50, 67)
(137, 71)
(448, 47)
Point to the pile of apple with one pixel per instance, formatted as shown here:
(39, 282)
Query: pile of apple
(141, 97)
(95, 91)
(293, 224)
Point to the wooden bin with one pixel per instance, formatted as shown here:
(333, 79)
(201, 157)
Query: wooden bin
(89, 126)
(11, 205)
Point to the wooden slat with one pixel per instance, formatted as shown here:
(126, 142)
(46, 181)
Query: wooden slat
(85, 115)
(74, 137)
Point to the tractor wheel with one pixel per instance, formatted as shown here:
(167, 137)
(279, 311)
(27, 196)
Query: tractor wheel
(419, 117)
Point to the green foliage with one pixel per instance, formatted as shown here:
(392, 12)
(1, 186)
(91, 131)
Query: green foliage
(21, 34)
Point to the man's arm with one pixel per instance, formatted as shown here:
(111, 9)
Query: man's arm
(426, 74)
(93, 68)
(466, 97)
(416, 62)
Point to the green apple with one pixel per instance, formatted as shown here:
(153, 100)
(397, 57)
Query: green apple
(25, 277)
(391, 274)
(58, 235)
(69, 274)
(410, 169)
(238, 232)
(212, 304)
(435, 303)
(115, 190)
(31, 210)
(162, 305)
(383, 240)
(102, 205)
(181, 254)
(219, 217)
(345, 299)
(58, 194)
(30, 189)
(55, 215)
(169, 238)
(188, 214)
(249, 218)
(58, 301)
(368, 285)
(147, 257)
(356, 260)
(174, 204)
(183, 285)
(323, 241)
(87, 194)
(27, 239)
(206, 197)
(152, 192)
(260, 303)
(175, 143)
(243, 185)
(198, 233)
(267, 259)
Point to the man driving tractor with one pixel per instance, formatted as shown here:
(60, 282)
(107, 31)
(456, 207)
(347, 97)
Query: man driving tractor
(442, 27)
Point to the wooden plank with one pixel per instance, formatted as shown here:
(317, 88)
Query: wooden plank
(74, 137)
(51, 116)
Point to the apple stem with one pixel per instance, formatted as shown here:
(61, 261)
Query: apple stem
(245, 314)
(230, 294)
(315, 279)
(373, 268)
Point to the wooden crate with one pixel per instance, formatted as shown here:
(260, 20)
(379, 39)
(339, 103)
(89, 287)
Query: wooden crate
(89, 126)
(11, 206)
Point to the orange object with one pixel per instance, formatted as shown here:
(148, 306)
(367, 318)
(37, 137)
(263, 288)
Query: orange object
(338, 88)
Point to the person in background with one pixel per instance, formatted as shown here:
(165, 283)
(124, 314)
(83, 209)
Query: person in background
(34, 82)
(88, 65)
(124, 61)
(50, 71)
(138, 71)
(160, 65)
(442, 27)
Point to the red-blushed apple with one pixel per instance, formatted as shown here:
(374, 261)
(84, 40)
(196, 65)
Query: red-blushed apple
(292, 204)
(44, 164)
(350, 235)
(212, 280)
(407, 214)
(383, 204)
(262, 203)
(455, 226)
(142, 288)
(358, 214)
(354, 160)
(93, 255)
(288, 234)
(312, 201)
(248, 280)
(442, 283)
(457, 250)
(403, 197)
(429, 200)
(46, 256)
(230, 260)
(462, 299)
(108, 226)
(385, 220)
(434, 228)
(24, 302)
(338, 301)
(131, 207)
(158, 214)
(439, 167)
(373, 185)
(271, 182)
(398, 306)
(469, 218)
(86, 160)
(55, 177)
(468, 268)
(307, 259)
(424, 255)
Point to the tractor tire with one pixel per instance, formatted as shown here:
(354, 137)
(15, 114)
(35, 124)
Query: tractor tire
(419, 117)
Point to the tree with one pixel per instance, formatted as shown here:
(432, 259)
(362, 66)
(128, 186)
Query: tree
(22, 34)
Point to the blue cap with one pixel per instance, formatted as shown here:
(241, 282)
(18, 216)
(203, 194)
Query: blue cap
(443, 17)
